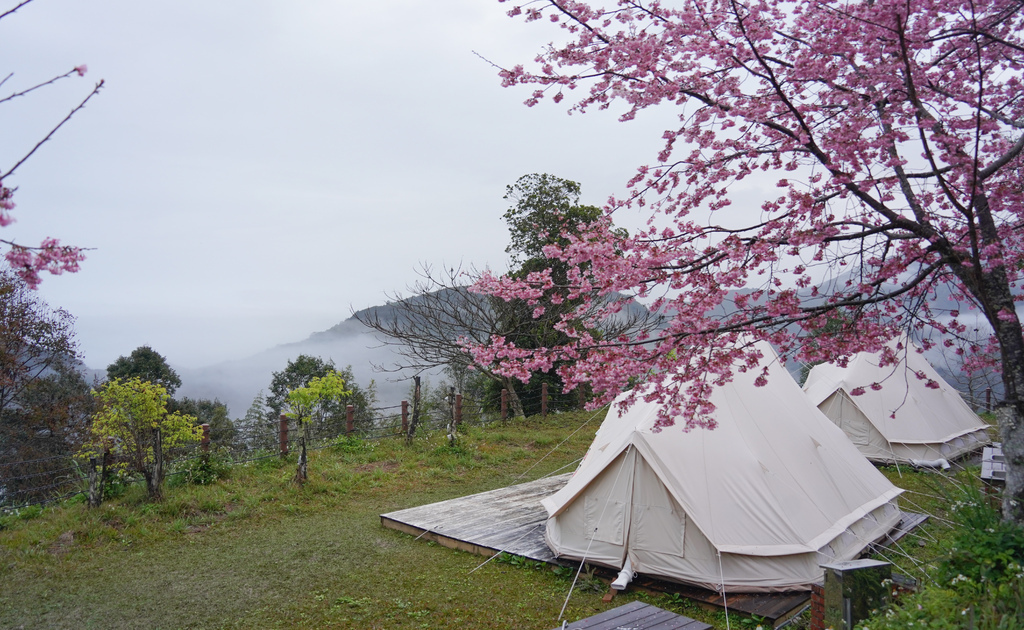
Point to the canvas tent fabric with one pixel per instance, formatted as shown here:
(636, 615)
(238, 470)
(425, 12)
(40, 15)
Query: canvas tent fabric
(905, 421)
(753, 505)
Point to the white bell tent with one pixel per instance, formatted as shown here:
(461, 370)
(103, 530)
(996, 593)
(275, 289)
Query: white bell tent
(753, 505)
(906, 420)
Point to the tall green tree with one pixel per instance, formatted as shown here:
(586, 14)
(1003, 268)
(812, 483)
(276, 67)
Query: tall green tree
(443, 317)
(300, 371)
(546, 210)
(145, 364)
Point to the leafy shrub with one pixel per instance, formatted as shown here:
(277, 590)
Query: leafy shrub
(117, 485)
(980, 582)
(204, 470)
(986, 548)
(352, 444)
(26, 513)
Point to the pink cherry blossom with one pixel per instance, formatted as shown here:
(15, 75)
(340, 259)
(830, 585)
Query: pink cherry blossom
(891, 132)
(50, 256)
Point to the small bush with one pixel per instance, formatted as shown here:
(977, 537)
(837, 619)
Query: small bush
(9, 516)
(116, 485)
(986, 548)
(204, 470)
(352, 444)
(979, 583)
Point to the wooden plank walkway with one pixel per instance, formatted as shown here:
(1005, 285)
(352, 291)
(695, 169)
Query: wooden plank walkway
(637, 616)
(512, 520)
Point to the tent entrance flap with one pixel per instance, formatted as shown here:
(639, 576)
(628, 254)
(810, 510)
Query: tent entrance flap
(658, 522)
(594, 526)
(605, 518)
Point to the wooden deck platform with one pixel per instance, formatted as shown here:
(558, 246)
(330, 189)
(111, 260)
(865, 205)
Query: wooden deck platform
(507, 519)
(512, 520)
(637, 616)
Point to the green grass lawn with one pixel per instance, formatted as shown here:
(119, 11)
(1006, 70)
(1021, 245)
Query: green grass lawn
(254, 550)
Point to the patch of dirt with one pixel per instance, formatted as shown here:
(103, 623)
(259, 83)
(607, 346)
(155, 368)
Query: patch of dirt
(63, 544)
(385, 466)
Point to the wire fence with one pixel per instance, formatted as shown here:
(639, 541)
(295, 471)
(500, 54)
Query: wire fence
(45, 480)
(48, 479)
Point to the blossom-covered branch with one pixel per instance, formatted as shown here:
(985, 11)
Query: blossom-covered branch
(50, 256)
(852, 162)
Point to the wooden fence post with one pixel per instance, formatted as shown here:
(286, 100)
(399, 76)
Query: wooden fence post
(204, 445)
(415, 410)
(458, 409)
(283, 436)
(543, 400)
(504, 405)
(405, 417)
(350, 419)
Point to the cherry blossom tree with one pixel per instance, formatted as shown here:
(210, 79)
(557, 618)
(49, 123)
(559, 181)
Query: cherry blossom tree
(49, 256)
(889, 135)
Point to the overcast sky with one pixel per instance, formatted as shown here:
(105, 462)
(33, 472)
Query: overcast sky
(255, 169)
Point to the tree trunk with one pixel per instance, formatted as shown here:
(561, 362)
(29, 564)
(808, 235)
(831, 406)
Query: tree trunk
(103, 472)
(155, 478)
(300, 472)
(1011, 418)
(1012, 436)
(95, 487)
(992, 288)
(451, 418)
(415, 411)
(513, 398)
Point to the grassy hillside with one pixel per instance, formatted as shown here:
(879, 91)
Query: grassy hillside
(255, 550)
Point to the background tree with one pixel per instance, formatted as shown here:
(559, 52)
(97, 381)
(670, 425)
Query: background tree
(133, 423)
(44, 401)
(211, 412)
(546, 210)
(258, 426)
(145, 364)
(27, 262)
(428, 329)
(891, 133)
(300, 372)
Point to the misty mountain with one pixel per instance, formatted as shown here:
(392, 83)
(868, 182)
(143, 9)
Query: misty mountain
(349, 342)
(236, 383)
